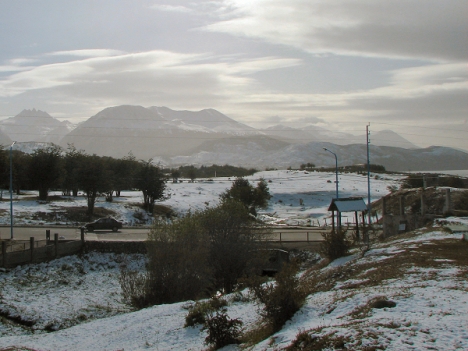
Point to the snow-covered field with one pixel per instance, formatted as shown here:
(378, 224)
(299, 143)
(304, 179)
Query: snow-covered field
(424, 273)
(299, 198)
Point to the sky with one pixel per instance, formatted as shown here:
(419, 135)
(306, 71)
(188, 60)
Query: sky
(399, 65)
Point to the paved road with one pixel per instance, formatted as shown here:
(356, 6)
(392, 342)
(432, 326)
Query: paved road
(137, 234)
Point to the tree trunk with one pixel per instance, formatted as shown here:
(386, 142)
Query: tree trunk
(91, 202)
(43, 194)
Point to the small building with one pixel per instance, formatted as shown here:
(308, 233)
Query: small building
(347, 204)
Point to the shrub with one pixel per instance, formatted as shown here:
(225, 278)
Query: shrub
(198, 312)
(221, 329)
(192, 257)
(177, 261)
(335, 244)
(134, 285)
(281, 300)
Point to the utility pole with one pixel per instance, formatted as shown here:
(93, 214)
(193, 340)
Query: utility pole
(336, 170)
(11, 190)
(368, 174)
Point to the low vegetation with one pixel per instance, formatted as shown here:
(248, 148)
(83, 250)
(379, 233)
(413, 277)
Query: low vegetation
(199, 254)
(280, 299)
(222, 330)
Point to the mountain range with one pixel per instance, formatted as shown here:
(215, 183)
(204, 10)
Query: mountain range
(209, 137)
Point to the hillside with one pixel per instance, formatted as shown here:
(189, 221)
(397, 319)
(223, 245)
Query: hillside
(251, 152)
(408, 292)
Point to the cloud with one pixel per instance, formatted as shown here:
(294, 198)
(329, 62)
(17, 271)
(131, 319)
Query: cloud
(433, 30)
(87, 53)
(146, 78)
(86, 85)
(171, 8)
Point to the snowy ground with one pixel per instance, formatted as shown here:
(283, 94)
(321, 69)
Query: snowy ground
(299, 198)
(424, 273)
(430, 296)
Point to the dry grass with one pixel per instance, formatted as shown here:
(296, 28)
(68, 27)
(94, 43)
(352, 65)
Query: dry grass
(429, 254)
(402, 259)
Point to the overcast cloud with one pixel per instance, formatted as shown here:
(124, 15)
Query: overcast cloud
(400, 65)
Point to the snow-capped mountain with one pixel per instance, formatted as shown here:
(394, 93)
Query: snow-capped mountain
(312, 133)
(208, 137)
(35, 125)
(151, 132)
(208, 120)
(249, 152)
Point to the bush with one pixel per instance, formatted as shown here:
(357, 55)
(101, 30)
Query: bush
(252, 198)
(177, 262)
(335, 244)
(222, 330)
(201, 253)
(133, 286)
(198, 312)
(281, 300)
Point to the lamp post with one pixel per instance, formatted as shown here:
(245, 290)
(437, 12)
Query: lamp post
(11, 190)
(338, 220)
(336, 169)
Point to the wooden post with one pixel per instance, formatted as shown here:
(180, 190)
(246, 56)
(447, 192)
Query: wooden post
(356, 216)
(402, 205)
(384, 206)
(82, 235)
(447, 201)
(365, 235)
(47, 236)
(423, 205)
(4, 247)
(307, 236)
(333, 221)
(280, 236)
(56, 244)
(31, 247)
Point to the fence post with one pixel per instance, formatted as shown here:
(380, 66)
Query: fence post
(307, 236)
(280, 236)
(82, 235)
(447, 207)
(4, 247)
(56, 244)
(402, 205)
(47, 235)
(31, 247)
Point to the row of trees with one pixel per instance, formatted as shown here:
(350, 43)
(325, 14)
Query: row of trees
(74, 170)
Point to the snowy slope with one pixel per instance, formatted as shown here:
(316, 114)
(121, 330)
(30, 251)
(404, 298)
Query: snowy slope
(430, 311)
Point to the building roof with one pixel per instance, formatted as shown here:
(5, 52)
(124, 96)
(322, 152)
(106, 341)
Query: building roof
(349, 204)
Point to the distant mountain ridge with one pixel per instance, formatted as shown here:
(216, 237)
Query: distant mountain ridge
(35, 125)
(208, 136)
(313, 133)
(251, 154)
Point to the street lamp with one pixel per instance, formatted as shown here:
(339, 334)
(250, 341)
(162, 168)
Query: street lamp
(11, 190)
(336, 169)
